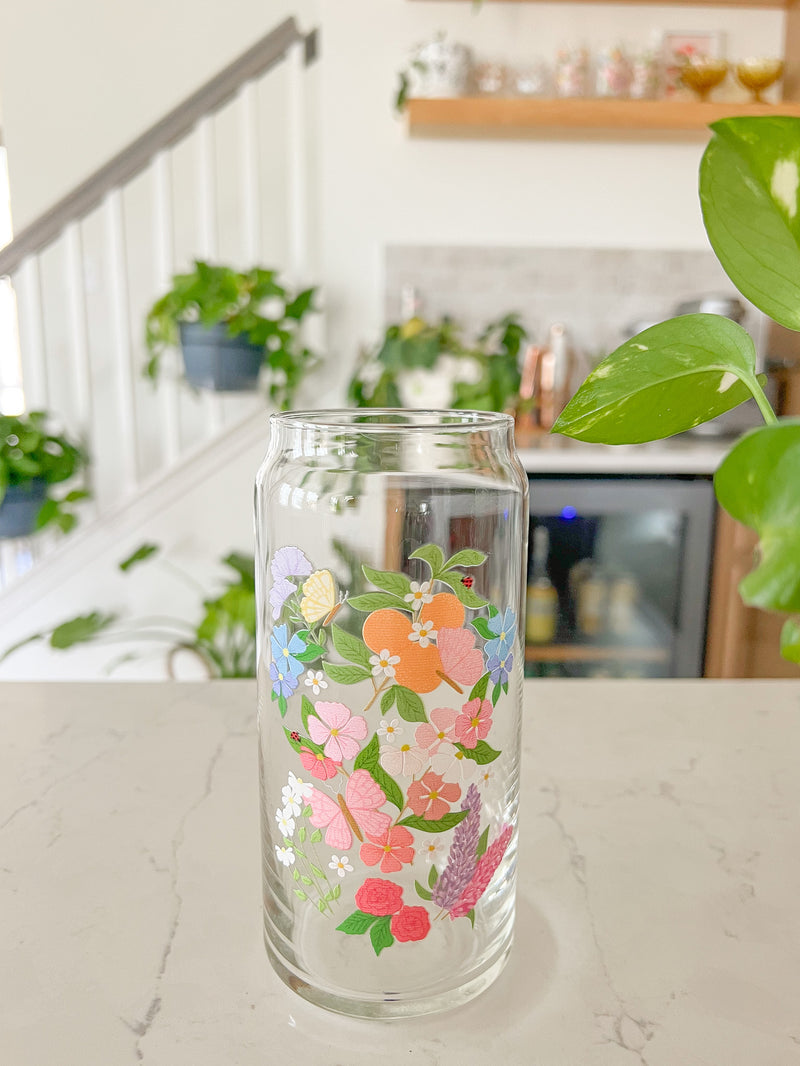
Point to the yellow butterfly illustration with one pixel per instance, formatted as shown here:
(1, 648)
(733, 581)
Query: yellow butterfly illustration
(319, 598)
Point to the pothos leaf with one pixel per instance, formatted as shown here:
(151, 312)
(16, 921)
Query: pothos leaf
(757, 484)
(790, 640)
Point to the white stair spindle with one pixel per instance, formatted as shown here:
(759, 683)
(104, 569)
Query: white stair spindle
(297, 159)
(163, 242)
(33, 356)
(121, 331)
(207, 232)
(78, 325)
(250, 173)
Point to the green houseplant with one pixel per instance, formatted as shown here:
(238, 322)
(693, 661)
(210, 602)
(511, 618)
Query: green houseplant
(419, 364)
(32, 460)
(229, 324)
(675, 375)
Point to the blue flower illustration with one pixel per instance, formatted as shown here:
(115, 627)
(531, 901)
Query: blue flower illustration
(499, 669)
(283, 684)
(505, 628)
(284, 649)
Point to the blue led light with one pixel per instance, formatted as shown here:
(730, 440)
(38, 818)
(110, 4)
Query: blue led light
(569, 512)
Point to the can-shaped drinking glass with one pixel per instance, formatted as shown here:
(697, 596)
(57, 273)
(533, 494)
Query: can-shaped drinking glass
(390, 576)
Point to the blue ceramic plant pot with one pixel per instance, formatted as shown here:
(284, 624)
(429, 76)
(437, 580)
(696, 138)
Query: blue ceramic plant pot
(21, 504)
(214, 360)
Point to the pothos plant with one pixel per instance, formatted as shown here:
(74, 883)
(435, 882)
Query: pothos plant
(252, 303)
(676, 375)
(31, 452)
(421, 364)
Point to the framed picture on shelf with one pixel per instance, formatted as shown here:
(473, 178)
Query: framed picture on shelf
(680, 46)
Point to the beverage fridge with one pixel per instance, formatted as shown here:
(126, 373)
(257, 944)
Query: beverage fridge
(618, 577)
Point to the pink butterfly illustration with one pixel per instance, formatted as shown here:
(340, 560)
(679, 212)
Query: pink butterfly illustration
(355, 812)
(461, 660)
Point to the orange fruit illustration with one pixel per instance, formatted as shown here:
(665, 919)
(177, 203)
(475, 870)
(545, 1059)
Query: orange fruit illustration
(419, 669)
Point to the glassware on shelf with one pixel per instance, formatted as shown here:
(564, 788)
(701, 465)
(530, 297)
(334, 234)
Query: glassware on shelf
(541, 603)
(613, 72)
(572, 72)
(646, 75)
(533, 79)
(389, 558)
(490, 78)
(623, 592)
(701, 74)
(758, 74)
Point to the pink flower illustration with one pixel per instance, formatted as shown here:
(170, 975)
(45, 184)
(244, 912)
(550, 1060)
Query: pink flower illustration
(318, 765)
(430, 797)
(391, 849)
(410, 923)
(402, 759)
(337, 730)
(474, 722)
(432, 736)
(379, 897)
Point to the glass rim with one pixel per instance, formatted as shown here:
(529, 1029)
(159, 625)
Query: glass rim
(391, 419)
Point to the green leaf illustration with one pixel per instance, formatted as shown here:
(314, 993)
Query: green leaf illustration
(423, 892)
(322, 905)
(316, 836)
(302, 742)
(398, 584)
(312, 652)
(667, 379)
(409, 705)
(307, 709)
(471, 916)
(479, 688)
(356, 923)
(481, 753)
(757, 483)
(316, 870)
(468, 597)
(749, 196)
(433, 876)
(282, 706)
(380, 934)
(388, 698)
(336, 891)
(498, 688)
(375, 601)
(367, 759)
(306, 880)
(466, 557)
(300, 893)
(346, 675)
(349, 647)
(295, 873)
(307, 811)
(483, 843)
(301, 834)
(448, 821)
(481, 626)
(432, 555)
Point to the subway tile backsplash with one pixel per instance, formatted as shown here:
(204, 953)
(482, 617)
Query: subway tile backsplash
(596, 293)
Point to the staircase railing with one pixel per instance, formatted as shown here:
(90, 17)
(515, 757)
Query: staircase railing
(85, 271)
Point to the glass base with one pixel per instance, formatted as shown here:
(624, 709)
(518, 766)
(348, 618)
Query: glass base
(423, 1000)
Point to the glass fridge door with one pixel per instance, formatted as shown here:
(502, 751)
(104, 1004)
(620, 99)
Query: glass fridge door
(618, 576)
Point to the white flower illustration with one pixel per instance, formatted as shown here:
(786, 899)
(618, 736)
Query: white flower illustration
(403, 760)
(419, 594)
(285, 855)
(383, 663)
(285, 822)
(315, 679)
(453, 764)
(291, 802)
(299, 788)
(423, 632)
(340, 865)
(390, 731)
(432, 851)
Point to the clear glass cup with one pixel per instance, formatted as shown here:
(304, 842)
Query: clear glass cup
(389, 570)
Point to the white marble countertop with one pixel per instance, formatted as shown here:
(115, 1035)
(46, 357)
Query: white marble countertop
(659, 907)
(554, 454)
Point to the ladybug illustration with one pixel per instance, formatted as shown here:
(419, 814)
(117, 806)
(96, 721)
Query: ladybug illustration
(468, 581)
(295, 736)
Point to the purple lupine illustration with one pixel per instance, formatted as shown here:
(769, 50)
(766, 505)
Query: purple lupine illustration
(462, 858)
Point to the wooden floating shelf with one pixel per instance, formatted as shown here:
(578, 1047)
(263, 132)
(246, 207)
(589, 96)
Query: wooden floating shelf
(590, 653)
(526, 117)
(676, 3)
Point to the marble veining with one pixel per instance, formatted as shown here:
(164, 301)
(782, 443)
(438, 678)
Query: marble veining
(658, 918)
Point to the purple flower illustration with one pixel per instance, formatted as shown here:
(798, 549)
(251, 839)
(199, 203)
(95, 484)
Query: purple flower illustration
(462, 859)
(283, 683)
(499, 669)
(286, 562)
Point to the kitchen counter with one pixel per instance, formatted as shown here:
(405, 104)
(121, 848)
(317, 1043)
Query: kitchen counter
(659, 904)
(546, 453)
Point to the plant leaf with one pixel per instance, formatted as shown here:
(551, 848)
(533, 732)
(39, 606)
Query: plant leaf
(667, 379)
(431, 554)
(356, 923)
(349, 647)
(479, 688)
(367, 759)
(312, 652)
(433, 876)
(388, 698)
(380, 934)
(749, 196)
(483, 843)
(441, 825)
(790, 640)
(409, 705)
(423, 892)
(481, 753)
(80, 630)
(346, 675)
(757, 484)
(397, 584)
(467, 596)
(144, 551)
(374, 601)
(481, 626)
(466, 557)
(306, 709)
